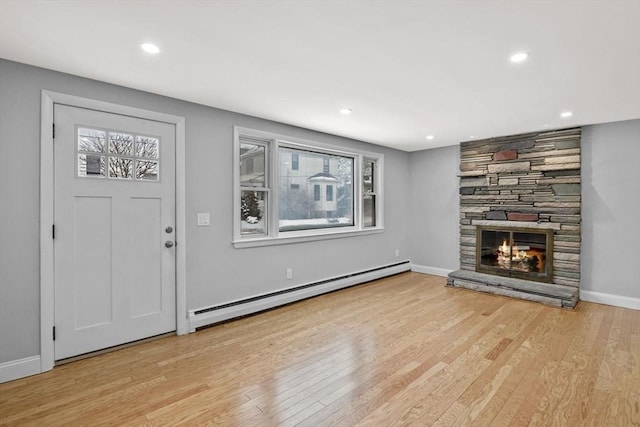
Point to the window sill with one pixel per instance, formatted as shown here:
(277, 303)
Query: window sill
(271, 241)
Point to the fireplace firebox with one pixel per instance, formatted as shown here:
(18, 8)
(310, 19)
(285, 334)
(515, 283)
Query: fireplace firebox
(525, 253)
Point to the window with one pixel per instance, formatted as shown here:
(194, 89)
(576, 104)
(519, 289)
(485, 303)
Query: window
(368, 193)
(117, 155)
(329, 193)
(287, 189)
(254, 189)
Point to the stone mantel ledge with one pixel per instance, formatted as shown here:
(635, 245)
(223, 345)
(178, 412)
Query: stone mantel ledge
(511, 224)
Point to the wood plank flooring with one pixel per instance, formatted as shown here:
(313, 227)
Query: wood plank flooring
(404, 350)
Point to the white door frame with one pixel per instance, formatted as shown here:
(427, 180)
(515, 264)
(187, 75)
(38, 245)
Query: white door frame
(47, 307)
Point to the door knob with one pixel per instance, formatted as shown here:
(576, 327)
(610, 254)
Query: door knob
(168, 244)
(169, 229)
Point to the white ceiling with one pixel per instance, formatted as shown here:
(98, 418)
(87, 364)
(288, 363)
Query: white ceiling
(407, 68)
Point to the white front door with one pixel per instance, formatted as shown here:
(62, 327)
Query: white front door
(114, 216)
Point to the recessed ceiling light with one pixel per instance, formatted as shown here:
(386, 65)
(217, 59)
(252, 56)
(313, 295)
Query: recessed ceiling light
(346, 111)
(150, 48)
(566, 114)
(519, 57)
(430, 137)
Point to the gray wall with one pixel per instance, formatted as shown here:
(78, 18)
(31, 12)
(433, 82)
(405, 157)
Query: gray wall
(421, 206)
(611, 208)
(433, 217)
(216, 272)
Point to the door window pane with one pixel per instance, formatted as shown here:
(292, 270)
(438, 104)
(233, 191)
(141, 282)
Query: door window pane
(91, 165)
(147, 147)
(120, 143)
(147, 170)
(91, 140)
(120, 167)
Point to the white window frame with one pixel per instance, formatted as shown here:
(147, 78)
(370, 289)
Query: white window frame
(376, 191)
(268, 183)
(273, 235)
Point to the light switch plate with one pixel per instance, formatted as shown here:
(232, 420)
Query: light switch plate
(203, 219)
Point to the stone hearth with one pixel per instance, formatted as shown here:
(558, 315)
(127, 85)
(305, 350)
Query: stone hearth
(557, 295)
(530, 180)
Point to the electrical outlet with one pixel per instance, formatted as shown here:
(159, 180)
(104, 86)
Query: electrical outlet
(397, 253)
(289, 273)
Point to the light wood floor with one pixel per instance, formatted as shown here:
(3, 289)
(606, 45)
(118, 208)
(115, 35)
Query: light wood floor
(400, 351)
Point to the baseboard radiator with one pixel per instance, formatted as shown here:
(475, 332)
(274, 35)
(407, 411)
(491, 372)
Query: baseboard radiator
(211, 315)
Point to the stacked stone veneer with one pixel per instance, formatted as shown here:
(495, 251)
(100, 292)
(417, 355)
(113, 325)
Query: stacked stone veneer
(524, 180)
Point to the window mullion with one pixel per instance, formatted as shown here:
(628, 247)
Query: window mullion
(274, 207)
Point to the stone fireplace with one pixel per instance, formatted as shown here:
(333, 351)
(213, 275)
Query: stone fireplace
(520, 215)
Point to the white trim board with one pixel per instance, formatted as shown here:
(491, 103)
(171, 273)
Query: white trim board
(20, 368)
(197, 320)
(610, 299)
(436, 271)
(48, 99)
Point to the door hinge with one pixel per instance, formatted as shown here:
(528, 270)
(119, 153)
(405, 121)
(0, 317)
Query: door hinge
(53, 130)
(53, 231)
(54, 333)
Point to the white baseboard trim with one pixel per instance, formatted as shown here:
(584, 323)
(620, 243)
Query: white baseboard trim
(20, 368)
(430, 270)
(198, 319)
(610, 299)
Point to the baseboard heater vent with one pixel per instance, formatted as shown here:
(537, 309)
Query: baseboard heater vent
(210, 315)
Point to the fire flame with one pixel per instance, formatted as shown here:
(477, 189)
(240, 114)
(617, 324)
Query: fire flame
(505, 251)
(505, 247)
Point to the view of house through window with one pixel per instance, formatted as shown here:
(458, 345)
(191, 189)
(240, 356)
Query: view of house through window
(284, 188)
(306, 193)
